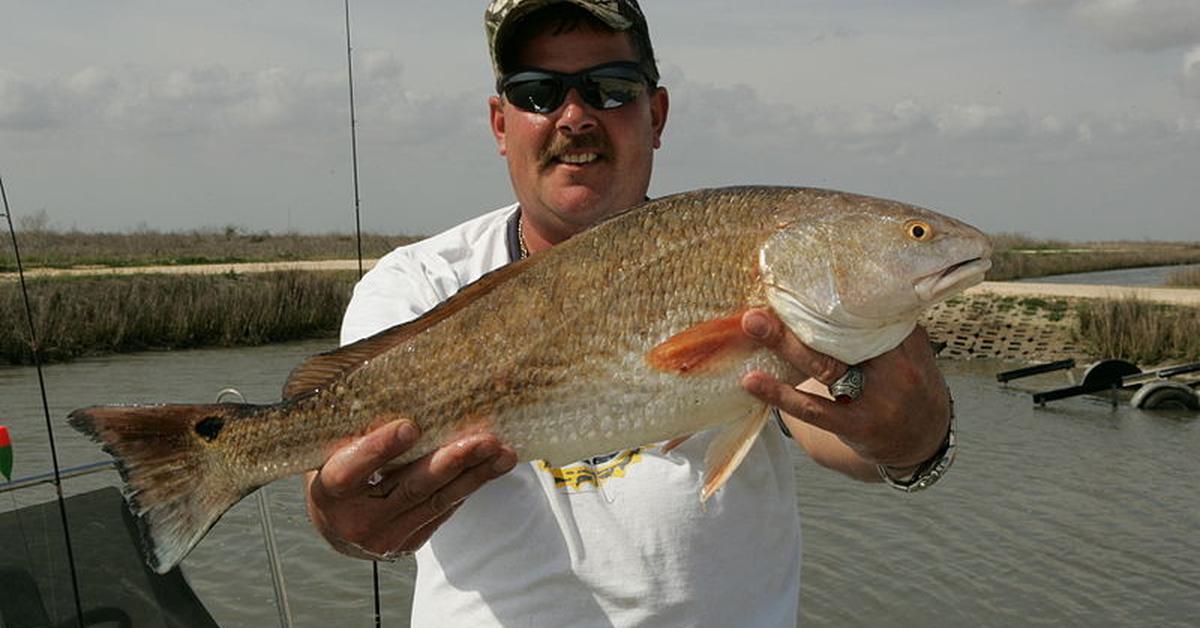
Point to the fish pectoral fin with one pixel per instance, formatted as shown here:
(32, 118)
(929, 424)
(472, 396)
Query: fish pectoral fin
(702, 347)
(729, 448)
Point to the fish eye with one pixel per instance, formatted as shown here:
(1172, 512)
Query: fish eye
(919, 230)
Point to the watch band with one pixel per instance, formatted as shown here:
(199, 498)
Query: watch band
(929, 472)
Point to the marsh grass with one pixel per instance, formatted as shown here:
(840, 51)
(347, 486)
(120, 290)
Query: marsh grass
(1017, 256)
(75, 317)
(1138, 331)
(42, 247)
(1185, 278)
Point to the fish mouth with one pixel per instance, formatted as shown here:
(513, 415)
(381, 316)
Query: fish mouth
(954, 278)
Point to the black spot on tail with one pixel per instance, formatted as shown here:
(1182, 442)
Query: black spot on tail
(209, 428)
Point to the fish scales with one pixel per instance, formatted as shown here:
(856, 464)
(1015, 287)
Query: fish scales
(502, 363)
(624, 335)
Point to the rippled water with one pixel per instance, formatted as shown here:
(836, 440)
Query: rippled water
(1076, 514)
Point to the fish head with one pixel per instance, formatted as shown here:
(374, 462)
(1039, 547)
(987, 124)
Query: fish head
(855, 262)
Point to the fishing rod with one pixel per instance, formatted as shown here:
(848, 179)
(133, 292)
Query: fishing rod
(37, 363)
(358, 238)
(354, 143)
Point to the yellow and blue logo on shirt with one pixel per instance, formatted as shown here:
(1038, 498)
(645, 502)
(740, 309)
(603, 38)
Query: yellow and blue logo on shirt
(594, 471)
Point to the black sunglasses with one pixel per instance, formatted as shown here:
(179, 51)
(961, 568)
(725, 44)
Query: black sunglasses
(606, 86)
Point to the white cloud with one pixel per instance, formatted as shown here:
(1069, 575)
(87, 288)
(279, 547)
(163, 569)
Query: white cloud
(871, 122)
(980, 121)
(90, 83)
(24, 105)
(1191, 73)
(1143, 24)
(379, 65)
(204, 102)
(984, 139)
(1133, 24)
(1006, 113)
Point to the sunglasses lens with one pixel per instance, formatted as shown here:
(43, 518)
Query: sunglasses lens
(604, 87)
(610, 92)
(539, 95)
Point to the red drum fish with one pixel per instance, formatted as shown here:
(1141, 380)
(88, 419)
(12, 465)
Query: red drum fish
(626, 334)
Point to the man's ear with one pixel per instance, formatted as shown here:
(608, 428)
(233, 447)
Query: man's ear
(496, 120)
(659, 104)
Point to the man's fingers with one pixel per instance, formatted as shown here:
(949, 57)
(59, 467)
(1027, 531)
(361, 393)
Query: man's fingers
(348, 468)
(419, 481)
(418, 538)
(808, 407)
(421, 501)
(429, 514)
(766, 328)
(400, 512)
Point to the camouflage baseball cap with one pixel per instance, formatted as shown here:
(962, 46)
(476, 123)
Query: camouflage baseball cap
(502, 16)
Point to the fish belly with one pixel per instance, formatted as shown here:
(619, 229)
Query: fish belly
(636, 406)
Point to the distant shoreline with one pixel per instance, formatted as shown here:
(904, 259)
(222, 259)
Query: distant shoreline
(238, 268)
(96, 309)
(1174, 296)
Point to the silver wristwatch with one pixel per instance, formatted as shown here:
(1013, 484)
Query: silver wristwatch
(929, 472)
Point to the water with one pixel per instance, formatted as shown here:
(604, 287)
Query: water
(1149, 276)
(1073, 515)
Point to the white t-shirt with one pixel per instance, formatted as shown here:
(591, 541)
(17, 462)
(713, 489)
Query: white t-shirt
(618, 540)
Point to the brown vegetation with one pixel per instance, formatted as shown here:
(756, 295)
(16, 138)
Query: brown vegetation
(129, 313)
(59, 249)
(89, 316)
(1185, 278)
(1141, 332)
(1017, 256)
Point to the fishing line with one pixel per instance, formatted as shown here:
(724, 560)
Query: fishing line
(358, 235)
(37, 363)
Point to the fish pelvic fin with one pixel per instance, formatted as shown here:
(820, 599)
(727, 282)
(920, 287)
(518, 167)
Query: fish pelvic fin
(673, 443)
(703, 347)
(318, 371)
(729, 448)
(178, 482)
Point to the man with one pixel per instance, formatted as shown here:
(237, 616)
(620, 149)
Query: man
(620, 539)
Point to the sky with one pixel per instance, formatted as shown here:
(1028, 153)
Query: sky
(1067, 119)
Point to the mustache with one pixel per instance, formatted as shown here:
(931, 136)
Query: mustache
(562, 144)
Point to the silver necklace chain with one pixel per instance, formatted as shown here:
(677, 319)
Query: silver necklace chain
(521, 238)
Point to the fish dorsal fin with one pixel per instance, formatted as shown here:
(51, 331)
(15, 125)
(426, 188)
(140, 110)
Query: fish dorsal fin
(320, 370)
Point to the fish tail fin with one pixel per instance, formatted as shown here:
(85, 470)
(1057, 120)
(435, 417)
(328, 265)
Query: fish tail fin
(177, 480)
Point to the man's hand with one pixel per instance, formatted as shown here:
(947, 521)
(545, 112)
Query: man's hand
(900, 420)
(394, 516)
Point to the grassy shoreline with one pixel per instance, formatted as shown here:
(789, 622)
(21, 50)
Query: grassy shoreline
(92, 316)
(43, 248)
(111, 314)
(78, 317)
(1140, 332)
(1016, 256)
(1021, 257)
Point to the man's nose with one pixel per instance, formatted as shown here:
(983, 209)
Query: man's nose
(576, 116)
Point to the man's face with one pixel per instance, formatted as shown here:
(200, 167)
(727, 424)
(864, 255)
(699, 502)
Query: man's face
(576, 165)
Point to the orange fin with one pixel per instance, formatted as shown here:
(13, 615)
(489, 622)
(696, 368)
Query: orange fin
(702, 347)
(728, 450)
(674, 442)
(322, 369)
